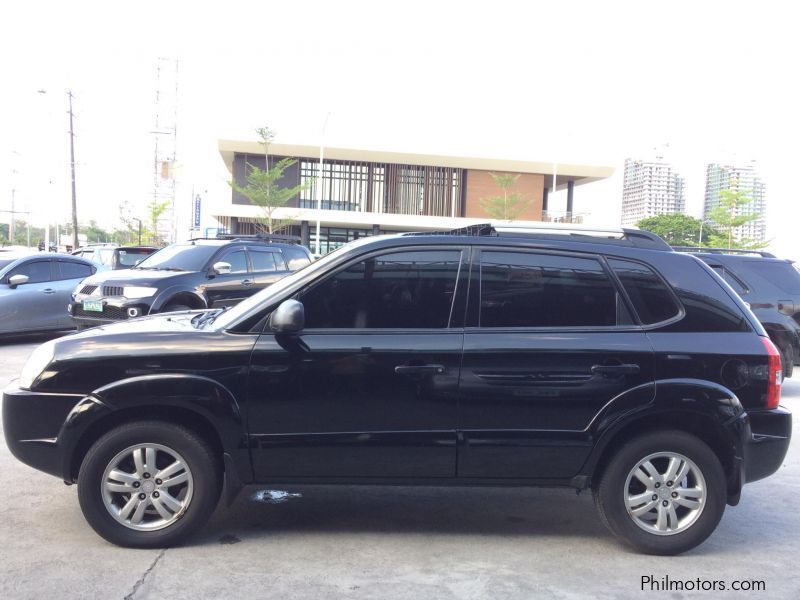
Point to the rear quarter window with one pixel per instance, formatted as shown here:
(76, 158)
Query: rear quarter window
(650, 296)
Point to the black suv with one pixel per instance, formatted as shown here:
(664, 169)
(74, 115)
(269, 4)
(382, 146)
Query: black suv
(200, 273)
(485, 356)
(770, 286)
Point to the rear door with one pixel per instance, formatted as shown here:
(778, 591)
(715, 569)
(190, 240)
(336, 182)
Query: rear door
(550, 342)
(267, 267)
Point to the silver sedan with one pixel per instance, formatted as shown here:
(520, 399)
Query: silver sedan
(35, 290)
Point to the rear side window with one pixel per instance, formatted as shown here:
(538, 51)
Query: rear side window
(782, 274)
(73, 270)
(526, 289)
(650, 296)
(295, 258)
(738, 286)
(264, 260)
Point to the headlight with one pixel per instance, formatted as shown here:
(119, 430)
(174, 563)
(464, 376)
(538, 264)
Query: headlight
(135, 291)
(37, 363)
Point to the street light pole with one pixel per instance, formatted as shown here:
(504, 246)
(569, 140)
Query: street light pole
(140, 229)
(319, 180)
(72, 169)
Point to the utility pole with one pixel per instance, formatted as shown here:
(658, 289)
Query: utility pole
(72, 168)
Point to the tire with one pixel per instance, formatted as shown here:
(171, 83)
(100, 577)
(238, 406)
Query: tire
(683, 529)
(787, 359)
(149, 519)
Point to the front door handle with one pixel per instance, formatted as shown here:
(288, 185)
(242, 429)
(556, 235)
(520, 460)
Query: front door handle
(247, 282)
(419, 369)
(48, 291)
(629, 369)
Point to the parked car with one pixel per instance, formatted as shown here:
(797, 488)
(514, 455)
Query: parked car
(200, 273)
(35, 288)
(483, 356)
(114, 256)
(771, 286)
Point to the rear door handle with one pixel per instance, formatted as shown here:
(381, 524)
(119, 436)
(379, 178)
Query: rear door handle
(629, 369)
(48, 291)
(419, 369)
(247, 282)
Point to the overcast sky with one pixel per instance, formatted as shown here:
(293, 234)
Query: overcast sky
(592, 82)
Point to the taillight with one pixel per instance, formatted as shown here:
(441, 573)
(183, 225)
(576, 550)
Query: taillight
(775, 374)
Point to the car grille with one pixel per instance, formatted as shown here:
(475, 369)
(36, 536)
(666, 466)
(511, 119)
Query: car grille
(114, 313)
(88, 289)
(112, 290)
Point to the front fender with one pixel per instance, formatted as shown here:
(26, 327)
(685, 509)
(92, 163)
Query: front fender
(203, 397)
(162, 298)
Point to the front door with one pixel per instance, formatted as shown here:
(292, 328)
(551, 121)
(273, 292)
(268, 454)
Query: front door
(551, 343)
(368, 388)
(230, 288)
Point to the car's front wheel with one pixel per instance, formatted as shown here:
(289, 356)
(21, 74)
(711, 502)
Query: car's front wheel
(148, 484)
(662, 493)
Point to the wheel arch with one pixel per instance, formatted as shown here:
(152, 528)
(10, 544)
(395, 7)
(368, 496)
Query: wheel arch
(199, 403)
(710, 412)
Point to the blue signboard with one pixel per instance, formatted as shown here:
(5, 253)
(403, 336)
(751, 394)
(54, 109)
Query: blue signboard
(196, 213)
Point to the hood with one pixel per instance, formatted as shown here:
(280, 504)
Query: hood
(171, 323)
(142, 277)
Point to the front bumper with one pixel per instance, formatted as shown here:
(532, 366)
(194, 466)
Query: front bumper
(114, 311)
(32, 423)
(763, 452)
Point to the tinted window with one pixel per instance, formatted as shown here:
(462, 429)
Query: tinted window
(104, 256)
(128, 257)
(296, 258)
(782, 274)
(649, 294)
(182, 257)
(263, 260)
(237, 260)
(37, 271)
(73, 270)
(401, 290)
(520, 289)
(732, 280)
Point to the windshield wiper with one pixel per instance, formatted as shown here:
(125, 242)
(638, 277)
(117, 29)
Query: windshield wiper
(207, 317)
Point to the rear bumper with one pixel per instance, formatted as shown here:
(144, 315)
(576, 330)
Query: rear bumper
(765, 448)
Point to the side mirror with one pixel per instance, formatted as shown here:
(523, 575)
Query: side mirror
(16, 280)
(221, 268)
(289, 317)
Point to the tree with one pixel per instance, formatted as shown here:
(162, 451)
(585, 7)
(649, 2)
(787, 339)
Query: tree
(678, 229)
(728, 215)
(262, 185)
(508, 205)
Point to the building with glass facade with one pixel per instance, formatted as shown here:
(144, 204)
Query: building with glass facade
(739, 179)
(367, 192)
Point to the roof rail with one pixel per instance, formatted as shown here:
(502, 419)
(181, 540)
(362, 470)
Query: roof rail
(701, 250)
(261, 237)
(575, 233)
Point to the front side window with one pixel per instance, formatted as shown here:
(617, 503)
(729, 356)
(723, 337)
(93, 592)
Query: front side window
(407, 290)
(37, 271)
(526, 289)
(237, 260)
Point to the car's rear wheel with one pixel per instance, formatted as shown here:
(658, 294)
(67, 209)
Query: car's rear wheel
(148, 484)
(662, 493)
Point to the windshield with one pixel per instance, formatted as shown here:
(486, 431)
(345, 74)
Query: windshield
(129, 256)
(262, 298)
(4, 262)
(179, 257)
